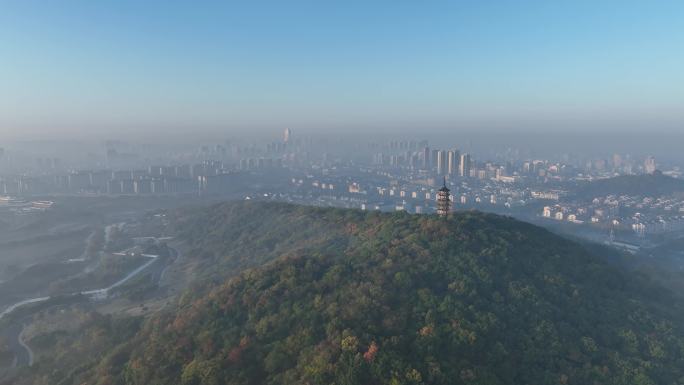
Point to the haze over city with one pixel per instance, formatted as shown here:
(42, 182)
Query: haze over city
(94, 69)
(347, 193)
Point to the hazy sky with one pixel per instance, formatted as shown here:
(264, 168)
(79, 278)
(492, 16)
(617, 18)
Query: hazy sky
(130, 66)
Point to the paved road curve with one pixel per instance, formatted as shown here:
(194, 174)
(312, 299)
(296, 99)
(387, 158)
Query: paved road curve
(22, 356)
(14, 333)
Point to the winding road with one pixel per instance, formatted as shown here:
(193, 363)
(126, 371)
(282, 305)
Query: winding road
(103, 293)
(28, 350)
(23, 355)
(14, 333)
(14, 307)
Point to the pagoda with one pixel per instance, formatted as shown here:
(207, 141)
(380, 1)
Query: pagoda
(443, 201)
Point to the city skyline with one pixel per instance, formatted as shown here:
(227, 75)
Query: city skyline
(95, 69)
(341, 192)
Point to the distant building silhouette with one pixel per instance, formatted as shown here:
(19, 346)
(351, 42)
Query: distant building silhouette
(452, 162)
(464, 165)
(441, 162)
(426, 158)
(650, 165)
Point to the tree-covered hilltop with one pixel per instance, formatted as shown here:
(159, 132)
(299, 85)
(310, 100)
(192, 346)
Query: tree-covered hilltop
(653, 185)
(351, 297)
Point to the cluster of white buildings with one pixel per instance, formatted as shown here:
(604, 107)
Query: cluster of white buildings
(643, 215)
(21, 206)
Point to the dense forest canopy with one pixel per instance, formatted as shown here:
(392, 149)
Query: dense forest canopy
(301, 295)
(653, 185)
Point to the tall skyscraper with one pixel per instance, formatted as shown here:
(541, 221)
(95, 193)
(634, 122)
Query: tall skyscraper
(287, 135)
(433, 159)
(452, 162)
(617, 161)
(650, 165)
(441, 162)
(426, 158)
(464, 165)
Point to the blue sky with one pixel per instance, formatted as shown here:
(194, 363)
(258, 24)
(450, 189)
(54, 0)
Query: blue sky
(103, 66)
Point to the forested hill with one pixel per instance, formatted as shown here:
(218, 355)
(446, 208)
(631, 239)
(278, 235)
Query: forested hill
(653, 185)
(371, 298)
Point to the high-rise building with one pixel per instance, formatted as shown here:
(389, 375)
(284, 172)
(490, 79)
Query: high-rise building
(650, 165)
(426, 158)
(441, 162)
(617, 161)
(287, 135)
(433, 159)
(452, 162)
(464, 165)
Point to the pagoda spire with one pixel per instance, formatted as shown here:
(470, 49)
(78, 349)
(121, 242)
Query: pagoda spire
(443, 200)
